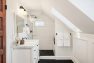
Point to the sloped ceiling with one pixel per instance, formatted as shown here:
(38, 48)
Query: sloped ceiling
(86, 6)
(67, 9)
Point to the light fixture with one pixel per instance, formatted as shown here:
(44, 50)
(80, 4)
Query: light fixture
(32, 18)
(21, 7)
(21, 11)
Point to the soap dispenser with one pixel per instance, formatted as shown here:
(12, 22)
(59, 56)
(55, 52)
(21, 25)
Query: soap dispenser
(22, 41)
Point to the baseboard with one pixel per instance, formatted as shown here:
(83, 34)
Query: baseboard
(75, 60)
(56, 57)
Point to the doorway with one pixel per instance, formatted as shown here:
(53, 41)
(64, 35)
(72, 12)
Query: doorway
(45, 34)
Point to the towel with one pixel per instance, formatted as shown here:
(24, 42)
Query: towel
(63, 39)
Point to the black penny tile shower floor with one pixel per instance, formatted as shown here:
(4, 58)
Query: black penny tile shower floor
(55, 61)
(46, 53)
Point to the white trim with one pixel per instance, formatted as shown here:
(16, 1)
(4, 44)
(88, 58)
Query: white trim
(56, 57)
(74, 59)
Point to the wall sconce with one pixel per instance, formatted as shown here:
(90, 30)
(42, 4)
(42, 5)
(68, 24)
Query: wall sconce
(21, 7)
(21, 11)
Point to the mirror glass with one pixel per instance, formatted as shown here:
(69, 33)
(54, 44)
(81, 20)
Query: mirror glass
(19, 23)
(24, 28)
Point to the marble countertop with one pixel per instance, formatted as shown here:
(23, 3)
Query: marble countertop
(27, 44)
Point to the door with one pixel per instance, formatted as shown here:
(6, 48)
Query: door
(2, 32)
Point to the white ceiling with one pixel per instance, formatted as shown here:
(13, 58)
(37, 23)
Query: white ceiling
(31, 4)
(67, 9)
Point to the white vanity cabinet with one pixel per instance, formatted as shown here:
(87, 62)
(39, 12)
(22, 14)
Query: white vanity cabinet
(27, 53)
(35, 54)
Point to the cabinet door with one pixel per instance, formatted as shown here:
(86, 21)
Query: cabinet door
(91, 52)
(75, 47)
(22, 56)
(81, 50)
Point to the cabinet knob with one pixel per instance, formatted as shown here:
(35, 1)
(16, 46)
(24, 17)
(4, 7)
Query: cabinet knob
(34, 50)
(34, 58)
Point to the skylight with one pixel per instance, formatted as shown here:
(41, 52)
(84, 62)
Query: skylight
(65, 20)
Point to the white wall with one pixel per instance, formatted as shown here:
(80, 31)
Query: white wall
(45, 34)
(62, 51)
(83, 48)
(9, 28)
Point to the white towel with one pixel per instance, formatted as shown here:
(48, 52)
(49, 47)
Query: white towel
(67, 41)
(59, 39)
(63, 39)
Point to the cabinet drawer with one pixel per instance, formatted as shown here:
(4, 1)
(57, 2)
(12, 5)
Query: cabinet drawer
(35, 48)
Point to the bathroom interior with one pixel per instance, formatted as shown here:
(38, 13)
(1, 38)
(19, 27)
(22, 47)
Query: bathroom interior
(49, 31)
(37, 27)
(52, 37)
